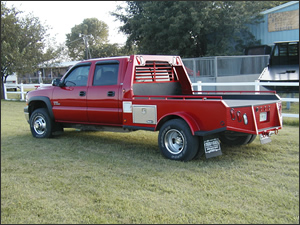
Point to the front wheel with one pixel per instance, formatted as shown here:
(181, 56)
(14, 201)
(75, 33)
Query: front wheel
(177, 142)
(40, 123)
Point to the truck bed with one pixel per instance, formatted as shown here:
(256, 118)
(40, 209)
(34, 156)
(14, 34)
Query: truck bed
(248, 102)
(244, 100)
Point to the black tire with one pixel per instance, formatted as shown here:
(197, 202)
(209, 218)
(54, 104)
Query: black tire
(40, 124)
(201, 150)
(253, 136)
(235, 139)
(176, 141)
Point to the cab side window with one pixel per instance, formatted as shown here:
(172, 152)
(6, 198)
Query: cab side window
(106, 74)
(78, 76)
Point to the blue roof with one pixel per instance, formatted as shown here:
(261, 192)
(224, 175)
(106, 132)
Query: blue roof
(268, 37)
(280, 7)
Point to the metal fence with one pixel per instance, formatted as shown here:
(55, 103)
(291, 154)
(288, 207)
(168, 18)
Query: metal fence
(208, 69)
(196, 86)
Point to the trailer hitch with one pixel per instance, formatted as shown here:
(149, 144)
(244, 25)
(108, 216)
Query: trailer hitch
(265, 136)
(269, 133)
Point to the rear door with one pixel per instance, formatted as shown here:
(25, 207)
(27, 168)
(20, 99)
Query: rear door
(103, 103)
(69, 101)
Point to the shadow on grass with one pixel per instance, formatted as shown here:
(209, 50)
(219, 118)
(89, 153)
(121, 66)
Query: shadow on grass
(139, 146)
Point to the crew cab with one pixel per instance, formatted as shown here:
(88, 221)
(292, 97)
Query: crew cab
(153, 93)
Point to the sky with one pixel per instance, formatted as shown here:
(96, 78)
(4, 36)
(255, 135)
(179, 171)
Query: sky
(61, 16)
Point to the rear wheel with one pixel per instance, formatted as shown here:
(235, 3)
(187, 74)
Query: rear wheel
(177, 142)
(40, 123)
(253, 136)
(230, 139)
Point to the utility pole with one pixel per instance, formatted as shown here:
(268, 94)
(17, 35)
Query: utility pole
(85, 38)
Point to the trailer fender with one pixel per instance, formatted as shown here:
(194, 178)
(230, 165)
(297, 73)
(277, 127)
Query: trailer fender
(182, 115)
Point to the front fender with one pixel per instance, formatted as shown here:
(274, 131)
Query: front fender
(40, 102)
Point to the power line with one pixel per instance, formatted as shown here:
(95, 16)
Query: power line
(74, 40)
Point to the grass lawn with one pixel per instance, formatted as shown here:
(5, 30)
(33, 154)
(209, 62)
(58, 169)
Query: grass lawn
(103, 177)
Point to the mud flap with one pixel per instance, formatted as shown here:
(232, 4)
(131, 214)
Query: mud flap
(211, 146)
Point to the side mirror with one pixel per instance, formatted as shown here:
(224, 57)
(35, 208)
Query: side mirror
(55, 82)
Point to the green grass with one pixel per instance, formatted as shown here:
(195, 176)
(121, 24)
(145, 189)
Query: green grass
(103, 177)
(294, 109)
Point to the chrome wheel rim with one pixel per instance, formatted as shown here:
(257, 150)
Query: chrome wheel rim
(39, 125)
(174, 141)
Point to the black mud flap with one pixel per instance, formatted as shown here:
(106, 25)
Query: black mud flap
(212, 147)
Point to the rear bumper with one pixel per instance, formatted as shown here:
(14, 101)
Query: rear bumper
(263, 131)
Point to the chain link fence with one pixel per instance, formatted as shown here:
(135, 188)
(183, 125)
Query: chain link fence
(226, 68)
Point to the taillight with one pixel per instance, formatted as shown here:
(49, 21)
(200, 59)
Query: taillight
(232, 114)
(239, 116)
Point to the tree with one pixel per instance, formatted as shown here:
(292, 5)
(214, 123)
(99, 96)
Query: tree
(107, 50)
(90, 40)
(23, 43)
(191, 28)
(95, 32)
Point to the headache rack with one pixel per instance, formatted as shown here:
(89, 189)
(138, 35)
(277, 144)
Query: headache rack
(155, 71)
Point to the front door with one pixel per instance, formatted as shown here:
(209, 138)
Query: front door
(69, 101)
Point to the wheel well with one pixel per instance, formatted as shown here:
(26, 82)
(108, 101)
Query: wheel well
(180, 115)
(167, 118)
(36, 105)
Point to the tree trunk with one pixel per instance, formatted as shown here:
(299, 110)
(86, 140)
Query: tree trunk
(2, 89)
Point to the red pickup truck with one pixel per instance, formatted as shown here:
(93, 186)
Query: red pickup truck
(154, 93)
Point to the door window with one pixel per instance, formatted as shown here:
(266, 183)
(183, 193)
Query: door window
(78, 76)
(106, 74)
